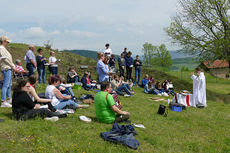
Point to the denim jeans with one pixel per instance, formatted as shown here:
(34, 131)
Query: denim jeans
(123, 87)
(54, 70)
(68, 91)
(64, 103)
(30, 67)
(42, 75)
(7, 83)
(137, 74)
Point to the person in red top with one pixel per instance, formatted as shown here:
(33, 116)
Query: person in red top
(85, 80)
(19, 69)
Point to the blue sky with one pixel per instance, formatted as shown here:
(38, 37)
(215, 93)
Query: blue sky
(74, 24)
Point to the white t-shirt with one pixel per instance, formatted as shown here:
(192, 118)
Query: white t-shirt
(53, 59)
(50, 95)
(108, 52)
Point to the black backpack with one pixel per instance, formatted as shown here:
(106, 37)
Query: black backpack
(163, 110)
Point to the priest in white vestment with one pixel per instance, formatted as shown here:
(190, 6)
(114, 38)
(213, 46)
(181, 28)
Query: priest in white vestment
(199, 88)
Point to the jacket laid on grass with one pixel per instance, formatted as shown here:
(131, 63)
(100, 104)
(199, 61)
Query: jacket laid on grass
(123, 134)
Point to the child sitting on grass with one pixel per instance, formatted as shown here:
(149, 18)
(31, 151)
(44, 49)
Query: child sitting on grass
(145, 80)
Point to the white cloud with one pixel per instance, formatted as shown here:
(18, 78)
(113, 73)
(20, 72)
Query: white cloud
(33, 32)
(83, 34)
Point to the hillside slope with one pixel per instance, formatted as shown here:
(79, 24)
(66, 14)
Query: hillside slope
(71, 59)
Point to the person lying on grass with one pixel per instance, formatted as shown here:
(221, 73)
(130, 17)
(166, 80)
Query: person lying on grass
(59, 100)
(118, 86)
(23, 106)
(105, 108)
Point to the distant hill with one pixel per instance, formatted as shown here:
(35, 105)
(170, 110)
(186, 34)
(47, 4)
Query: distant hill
(86, 53)
(93, 54)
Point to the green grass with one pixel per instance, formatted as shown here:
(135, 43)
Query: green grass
(193, 130)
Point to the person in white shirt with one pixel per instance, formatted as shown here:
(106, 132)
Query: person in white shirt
(108, 51)
(7, 66)
(199, 88)
(53, 63)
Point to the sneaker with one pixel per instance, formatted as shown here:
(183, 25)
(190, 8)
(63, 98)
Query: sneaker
(126, 95)
(59, 112)
(52, 119)
(165, 94)
(9, 100)
(69, 111)
(83, 106)
(5, 104)
(159, 94)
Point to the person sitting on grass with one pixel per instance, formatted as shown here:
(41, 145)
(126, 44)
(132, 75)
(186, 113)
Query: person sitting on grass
(20, 71)
(59, 100)
(66, 89)
(85, 80)
(72, 76)
(168, 87)
(159, 87)
(105, 108)
(145, 80)
(150, 89)
(24, 108)
(118, 86)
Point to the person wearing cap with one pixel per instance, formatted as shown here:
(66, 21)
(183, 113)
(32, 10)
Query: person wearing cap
(7, 66)
(30, 60)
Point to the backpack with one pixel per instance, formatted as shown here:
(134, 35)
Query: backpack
(116, 99)
(162, 110)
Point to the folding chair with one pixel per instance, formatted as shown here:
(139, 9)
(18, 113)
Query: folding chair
(18, 76)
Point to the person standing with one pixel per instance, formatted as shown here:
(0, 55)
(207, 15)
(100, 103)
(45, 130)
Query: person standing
(108, 51)
(102, 69)
(30, 60)
(53, 63)
(121, 64)
(7, 66)
(125, 52)
(199, 88)
(129, 65)
(137, 64)
(41, 61)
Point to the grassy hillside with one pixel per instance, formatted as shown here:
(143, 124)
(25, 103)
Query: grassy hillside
(193, 130)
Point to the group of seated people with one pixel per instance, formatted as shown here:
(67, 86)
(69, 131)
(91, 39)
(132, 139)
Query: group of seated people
(158, 88)
(27, 104)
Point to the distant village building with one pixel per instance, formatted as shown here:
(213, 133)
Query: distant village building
(217, 68)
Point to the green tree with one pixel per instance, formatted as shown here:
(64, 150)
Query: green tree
(149, 51)
(202, 27)
(162, 57)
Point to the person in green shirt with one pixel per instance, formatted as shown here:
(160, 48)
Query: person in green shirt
(105, 108)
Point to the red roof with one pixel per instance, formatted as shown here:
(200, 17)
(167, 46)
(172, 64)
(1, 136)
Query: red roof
(216, 64)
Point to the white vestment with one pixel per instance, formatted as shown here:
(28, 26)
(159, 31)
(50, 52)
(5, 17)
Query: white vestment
(199, 89)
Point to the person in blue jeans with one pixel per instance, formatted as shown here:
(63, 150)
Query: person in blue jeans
(41, 61)
(7, 66)
(30, 60)
(137, 64)
(119, 87)
(59, 100)
(150, 89)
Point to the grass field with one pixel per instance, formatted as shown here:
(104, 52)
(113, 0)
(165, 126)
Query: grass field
(193, 130)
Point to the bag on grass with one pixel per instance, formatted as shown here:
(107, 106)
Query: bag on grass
(116, 99)
(162, 110)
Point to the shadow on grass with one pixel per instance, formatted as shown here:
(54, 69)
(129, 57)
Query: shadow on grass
(9, 115)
